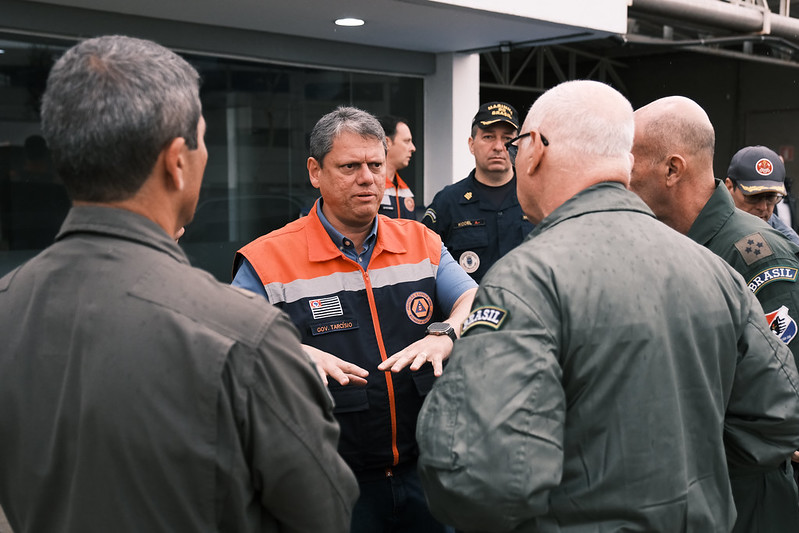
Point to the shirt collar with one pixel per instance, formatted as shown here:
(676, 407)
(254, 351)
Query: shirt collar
(340, 240)
(121, 224)
(713, 216)
(600, 197)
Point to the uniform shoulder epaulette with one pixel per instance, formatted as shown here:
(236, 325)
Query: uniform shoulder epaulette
(753, 248)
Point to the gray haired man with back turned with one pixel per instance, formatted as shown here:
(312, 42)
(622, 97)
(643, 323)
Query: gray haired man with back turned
(136, 392)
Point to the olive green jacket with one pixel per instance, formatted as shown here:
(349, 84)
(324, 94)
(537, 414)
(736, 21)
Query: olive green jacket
(139, 394)
(767, 260)
(767, 502)
(606, 364)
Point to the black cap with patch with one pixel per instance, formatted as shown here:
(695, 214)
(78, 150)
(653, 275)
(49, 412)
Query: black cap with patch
(494, 112)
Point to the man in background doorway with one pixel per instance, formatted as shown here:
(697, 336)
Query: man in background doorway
(398, 201)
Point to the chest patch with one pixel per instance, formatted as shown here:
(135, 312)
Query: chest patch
(419, 307)
(753, 248)
(469, 261)
(325, 307)
(488, 316)
(781, 323)
(772, 274)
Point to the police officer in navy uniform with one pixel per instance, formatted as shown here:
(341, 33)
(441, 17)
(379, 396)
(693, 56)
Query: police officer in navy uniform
(479, 218)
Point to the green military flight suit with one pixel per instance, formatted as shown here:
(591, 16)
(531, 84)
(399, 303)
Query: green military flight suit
(769, 264)
(608, 373)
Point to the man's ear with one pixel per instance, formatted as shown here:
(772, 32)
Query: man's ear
(730, 185)
(675, 169)
(527, 161)
(175, 162)
(471, 145)
(314, 169)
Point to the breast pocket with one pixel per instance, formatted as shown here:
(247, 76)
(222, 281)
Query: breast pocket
(468, 237)
(349, 399)
(423, 379)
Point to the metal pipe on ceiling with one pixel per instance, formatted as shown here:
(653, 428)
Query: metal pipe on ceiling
(715, 13)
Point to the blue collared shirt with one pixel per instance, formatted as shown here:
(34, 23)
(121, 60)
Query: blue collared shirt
(346, 245)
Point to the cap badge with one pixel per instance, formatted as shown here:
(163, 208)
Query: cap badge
(764, 167)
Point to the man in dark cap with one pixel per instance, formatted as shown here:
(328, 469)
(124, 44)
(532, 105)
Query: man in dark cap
(479, 218)
(756, 180)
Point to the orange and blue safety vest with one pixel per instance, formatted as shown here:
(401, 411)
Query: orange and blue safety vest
(362, 316)
(398, 201)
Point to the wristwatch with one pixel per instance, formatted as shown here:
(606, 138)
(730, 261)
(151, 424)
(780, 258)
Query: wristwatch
(442, 328)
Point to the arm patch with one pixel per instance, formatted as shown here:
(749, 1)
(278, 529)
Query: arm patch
(431, 214)
(489, 316)
(753, 248)
(778, 273)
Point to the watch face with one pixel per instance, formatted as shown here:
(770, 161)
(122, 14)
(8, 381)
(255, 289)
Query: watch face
(439, 327)
(442, 328)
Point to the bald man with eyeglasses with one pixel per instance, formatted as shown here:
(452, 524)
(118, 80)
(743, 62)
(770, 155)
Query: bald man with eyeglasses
(756, 180)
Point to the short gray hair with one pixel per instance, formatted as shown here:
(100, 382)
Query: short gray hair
(343, 119)
(111, 105)
(585, 117)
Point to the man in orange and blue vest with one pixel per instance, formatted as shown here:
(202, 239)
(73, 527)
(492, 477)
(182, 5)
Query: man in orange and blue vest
(398, 201)
(360, 287)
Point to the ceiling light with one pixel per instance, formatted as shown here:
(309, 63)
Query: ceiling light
(351, 22)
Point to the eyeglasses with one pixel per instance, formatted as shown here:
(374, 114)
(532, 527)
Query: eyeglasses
(513, 149)
(771, 198)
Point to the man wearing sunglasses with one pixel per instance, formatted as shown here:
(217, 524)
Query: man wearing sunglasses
(479, 218)
(756, 180)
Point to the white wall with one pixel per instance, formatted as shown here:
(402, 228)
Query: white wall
(452, 96)
(603, 15)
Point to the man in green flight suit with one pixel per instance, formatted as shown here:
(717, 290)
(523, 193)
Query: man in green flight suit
(611, 368)
(673, 173)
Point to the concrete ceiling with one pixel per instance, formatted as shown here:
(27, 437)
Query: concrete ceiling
(416, 25)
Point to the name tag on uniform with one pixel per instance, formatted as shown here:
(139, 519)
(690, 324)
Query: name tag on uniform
(332, 327)
(470, 223)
